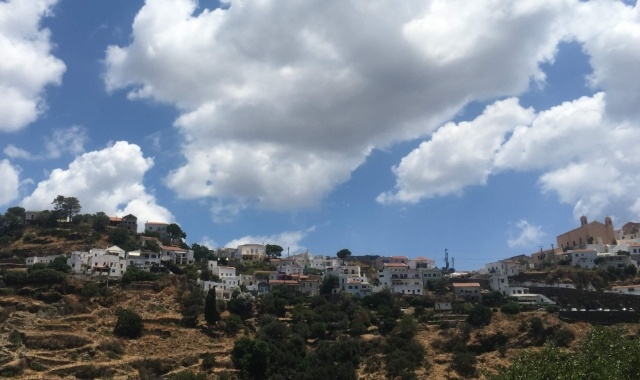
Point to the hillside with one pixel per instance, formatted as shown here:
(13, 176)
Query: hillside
(73, 337)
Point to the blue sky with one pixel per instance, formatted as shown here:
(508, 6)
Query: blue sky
(387, 128)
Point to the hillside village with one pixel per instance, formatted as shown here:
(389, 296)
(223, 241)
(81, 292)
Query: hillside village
(250, 266)
(450, 323)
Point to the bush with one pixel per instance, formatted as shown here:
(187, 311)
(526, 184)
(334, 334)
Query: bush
(510, 308)
(232, 324)
(563, 337)
(480, 316)
(464, 363)
(129, 324)
(208, 361)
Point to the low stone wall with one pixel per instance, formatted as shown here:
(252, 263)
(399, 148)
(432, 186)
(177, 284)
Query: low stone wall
(600, 317)
(588, 299)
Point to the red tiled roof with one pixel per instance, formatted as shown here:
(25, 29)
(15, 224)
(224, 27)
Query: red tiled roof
(284, 282)
(423, 259)
(465, 284)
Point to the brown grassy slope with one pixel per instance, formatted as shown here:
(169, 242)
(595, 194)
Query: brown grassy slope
(74, 338)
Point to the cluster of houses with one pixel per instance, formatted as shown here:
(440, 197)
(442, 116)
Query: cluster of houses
(590, 245)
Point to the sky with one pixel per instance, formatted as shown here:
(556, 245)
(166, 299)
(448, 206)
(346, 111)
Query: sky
(486, 128)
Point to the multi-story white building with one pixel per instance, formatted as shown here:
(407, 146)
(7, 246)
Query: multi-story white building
(227, 279)
(508, 267)
(143, 259)
(400, 279)
(177, 255)
(159, 227)
(250, 253)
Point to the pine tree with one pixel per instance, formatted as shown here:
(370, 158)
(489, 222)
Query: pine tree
(211, 313)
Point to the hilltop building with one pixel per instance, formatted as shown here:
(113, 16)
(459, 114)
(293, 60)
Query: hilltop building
(587, 233)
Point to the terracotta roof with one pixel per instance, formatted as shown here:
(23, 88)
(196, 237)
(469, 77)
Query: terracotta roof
(423, 259)
(465, 284)
(284, 282)
(172, 248)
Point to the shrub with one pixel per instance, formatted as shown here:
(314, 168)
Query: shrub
(129, 324)
(232, 324)
(251, 357)
(208, 361)
(563, 337)
(480, 316)
(510, 308)
(464, 363)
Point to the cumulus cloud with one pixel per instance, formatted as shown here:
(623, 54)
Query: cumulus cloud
(108, 180)
(280, 104)
(27, 65)
(62, 140)
(526, 236)
(458, 155)
(610, 34)
(583, 155)
(10, 182)
(288, 239)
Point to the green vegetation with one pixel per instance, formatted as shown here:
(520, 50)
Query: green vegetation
(606, 353)
(128, 325)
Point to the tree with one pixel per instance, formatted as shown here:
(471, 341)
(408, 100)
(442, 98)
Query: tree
(273, 251)
(201, 252)
(630, 270)
(175, 232)
(100, 221)
(128, 325)
(60, 264)
(328, 284)
(192, 307)
(251, 357)
(480, 316)
(211, 313)
(66, 207)
(343, 254)
(241, 304)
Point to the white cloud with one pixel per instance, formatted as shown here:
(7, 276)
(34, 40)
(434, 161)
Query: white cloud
(610, 34)
(108, 180)
(208, 242)
(13, 151)
(70, 140)
(10, 182)
(27, 65)
(585, 157)
(458, 155)
(287, 240)
(527, 236)
(62, 140)
(281, 103)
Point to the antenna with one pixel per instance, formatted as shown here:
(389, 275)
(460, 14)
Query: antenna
(446, 258)
(453, 263)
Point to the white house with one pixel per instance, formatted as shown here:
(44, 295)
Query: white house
(508, 267)
(470, 291)
(143, 260)
(41, 259)
(422, 262)
(159, 227)
(250, 252)
(177, 255)
(400, 279)
(584, 258)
